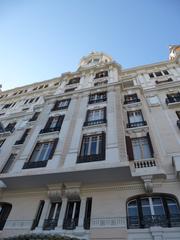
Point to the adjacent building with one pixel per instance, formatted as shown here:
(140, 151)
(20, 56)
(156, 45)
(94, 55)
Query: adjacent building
(93, 154)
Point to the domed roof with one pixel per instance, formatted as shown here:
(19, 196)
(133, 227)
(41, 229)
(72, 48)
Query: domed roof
(94, 58)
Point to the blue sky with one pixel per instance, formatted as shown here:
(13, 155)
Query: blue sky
(40, 39)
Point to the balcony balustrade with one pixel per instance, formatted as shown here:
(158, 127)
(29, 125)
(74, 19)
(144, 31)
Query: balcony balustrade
(145, 163)
(97, 100)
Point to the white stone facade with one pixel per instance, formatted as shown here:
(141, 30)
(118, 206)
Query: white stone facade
(101, 157)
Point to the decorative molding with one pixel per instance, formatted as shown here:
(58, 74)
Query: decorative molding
(55, 192)
(72, 190)
(148, 185)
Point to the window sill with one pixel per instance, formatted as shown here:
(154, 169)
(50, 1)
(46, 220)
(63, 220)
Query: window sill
(137, 129)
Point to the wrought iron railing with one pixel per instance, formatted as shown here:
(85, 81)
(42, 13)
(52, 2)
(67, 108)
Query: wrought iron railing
(46, 130)
(50, 224)
(174, 99)
(37, 164)
(95, 122)
(136, 124)
(70, 224)
(91, 158)
(154, 220)
(135, 100)
(97, 100)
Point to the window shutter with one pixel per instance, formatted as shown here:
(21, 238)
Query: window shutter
(48, 123)
(53, 148)
(55, 107)
(129, 148)
(38, 215)
(103, 145)
(87, 115)
(60, 121)
(150, 145)
(105, 113)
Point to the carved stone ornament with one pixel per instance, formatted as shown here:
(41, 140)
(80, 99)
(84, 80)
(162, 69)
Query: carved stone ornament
(72, 191)
(55, 192)
(148, 185)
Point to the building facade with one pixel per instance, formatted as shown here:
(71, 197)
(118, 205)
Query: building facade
(93, 154)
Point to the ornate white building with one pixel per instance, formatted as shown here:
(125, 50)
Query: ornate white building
(93, 154)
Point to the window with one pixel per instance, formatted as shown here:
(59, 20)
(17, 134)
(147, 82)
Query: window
(139, 148)
(23, 138)
(63, 104)
(92, 148)
(178, 114)
(8, 105)
(158, 74)
(34, 117)
(96, 116)
(42, 152)
(5, 211)
(38, 215)
(74, 80)
(1, 142)
(131, 98)
(155, 210)
(10, 127)
(70, 89)
(173, 98)
(53, 124)
(40, 87)
(153, 100)
(135, 119)
(101, 74)
(97, 97)
(72, 215)
(9, 163)
(163, 81)
(51, 222)
(87, 217)
(31, 100)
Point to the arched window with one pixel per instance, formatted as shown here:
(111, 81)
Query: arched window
(153, 210)
(5, 209)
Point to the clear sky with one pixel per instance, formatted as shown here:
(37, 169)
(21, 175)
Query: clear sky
(40, 39)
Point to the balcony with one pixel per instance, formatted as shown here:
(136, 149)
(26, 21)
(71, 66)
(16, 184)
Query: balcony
(47, 130)
(70, 224)
(91, 158)
(95, 122)
(59, 108)
(50, 224)
(38, 164)
(129, 101)
(136, 124)
(91, 101)
(153, 220)
(173, 100)
(146, 163)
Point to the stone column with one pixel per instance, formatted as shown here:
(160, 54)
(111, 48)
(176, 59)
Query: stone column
(62, 214)
(82, 214)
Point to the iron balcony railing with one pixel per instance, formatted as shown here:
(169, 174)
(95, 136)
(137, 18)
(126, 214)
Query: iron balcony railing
(135, 100)
(91, 158)
(95, 122)
(37, 164)
(47, 130)
(136, 124)
(50, 224)
(173, 99)
(97, 100)
(70, 224)
(153, 220)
